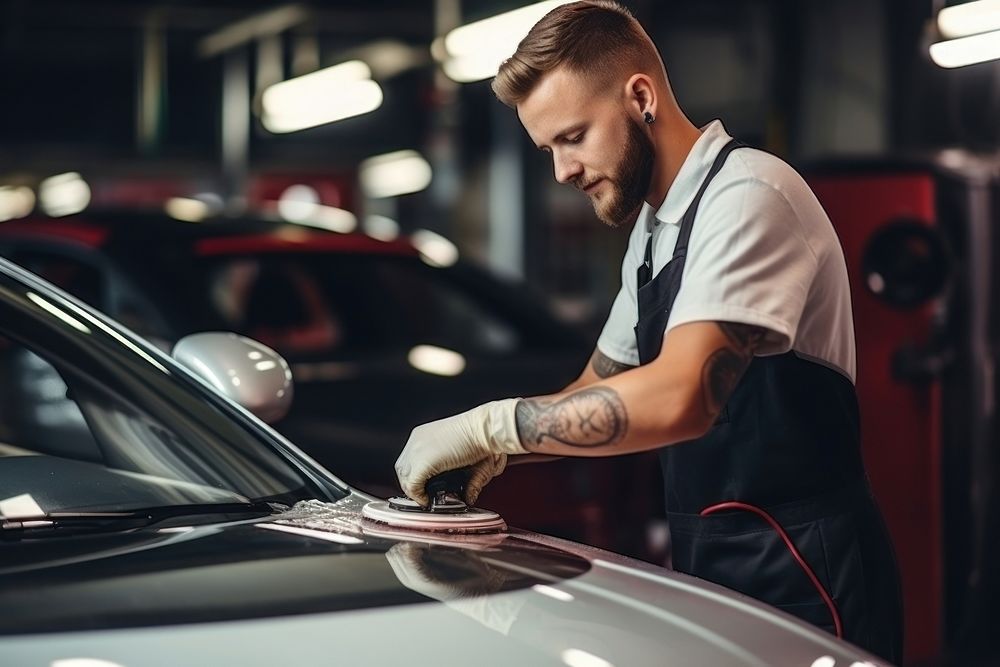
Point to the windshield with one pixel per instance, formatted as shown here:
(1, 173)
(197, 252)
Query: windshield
(86, 425)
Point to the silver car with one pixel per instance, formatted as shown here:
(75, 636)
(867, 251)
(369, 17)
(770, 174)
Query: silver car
(148, 517)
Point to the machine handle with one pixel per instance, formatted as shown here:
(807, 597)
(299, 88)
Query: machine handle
(451, 481)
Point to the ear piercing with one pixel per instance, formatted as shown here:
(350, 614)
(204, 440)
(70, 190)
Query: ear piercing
(648, 117)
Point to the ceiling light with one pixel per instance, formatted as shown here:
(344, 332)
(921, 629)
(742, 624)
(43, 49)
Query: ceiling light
(321, 97)
(476, 50)
(436, 360)
(15, 202)
(64, 194)
(298, 203)
(301, 205)
(966, 50)
(186, 209)
(394, 174)
(380, 227)
(434, 249)
(970, 18)
(331, 218)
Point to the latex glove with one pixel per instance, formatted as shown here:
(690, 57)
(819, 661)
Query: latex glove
(460, 579)
(481, 438)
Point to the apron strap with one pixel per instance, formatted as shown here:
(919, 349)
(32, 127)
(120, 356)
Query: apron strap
(687, 222)
(645, 271)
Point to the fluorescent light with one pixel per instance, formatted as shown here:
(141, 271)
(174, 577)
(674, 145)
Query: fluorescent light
(15, 202)
(970, 18)
(380, 227)
(966, 50)
(300, 204)
(64, 194)
(186, 209)
(321, 97)
(476, 50)
(393, 174)
(434, 249)
(474, 67)
(84, 662)
(436, 360)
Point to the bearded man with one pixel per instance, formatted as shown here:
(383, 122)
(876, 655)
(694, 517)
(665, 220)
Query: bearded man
(730, 347)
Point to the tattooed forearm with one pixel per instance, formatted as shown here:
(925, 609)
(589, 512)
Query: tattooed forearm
(724, 368)
(605, 367)
(587, 418)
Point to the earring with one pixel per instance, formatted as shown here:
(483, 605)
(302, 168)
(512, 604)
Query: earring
(648, 117)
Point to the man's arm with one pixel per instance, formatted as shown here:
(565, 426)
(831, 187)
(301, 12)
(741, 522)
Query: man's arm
(675, 398)
(599, 367)
(672, 399)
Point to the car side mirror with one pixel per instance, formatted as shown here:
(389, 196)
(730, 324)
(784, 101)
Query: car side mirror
(250, 373)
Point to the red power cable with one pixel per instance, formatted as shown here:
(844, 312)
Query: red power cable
(734, 505)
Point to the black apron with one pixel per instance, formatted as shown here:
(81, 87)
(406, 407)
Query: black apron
(774, 501)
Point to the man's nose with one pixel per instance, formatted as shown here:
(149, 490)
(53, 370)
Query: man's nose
(566, 168)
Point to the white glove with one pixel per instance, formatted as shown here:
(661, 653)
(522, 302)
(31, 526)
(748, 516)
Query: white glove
(481, 438)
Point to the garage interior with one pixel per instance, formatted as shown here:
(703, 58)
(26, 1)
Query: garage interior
(197, 110)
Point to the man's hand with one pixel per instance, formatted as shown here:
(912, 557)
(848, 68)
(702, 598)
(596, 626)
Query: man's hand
(481, 438)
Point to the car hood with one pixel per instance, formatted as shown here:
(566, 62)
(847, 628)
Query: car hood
(319, 585)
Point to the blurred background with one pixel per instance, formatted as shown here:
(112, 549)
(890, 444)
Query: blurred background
(336, 179)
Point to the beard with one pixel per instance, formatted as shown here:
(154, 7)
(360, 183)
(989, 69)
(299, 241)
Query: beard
(630, 181)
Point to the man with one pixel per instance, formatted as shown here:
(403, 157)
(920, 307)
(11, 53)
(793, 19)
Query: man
(731, 339)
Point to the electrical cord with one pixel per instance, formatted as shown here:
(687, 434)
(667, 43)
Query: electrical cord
(827, 598)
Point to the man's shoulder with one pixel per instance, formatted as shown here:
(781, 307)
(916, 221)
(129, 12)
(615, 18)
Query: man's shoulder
(759, 166)
(770, 177)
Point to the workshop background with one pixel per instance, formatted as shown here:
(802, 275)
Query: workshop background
(376, 120)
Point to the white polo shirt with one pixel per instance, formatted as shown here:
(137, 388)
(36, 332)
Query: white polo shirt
(762, 252)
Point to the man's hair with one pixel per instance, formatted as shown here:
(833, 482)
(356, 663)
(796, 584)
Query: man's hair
(599, 39)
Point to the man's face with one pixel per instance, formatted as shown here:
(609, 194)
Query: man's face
(595, 146)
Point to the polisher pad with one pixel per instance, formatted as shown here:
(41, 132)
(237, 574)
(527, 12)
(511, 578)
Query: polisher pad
(447, 511)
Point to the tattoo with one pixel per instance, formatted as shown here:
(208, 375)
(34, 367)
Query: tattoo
(724, 368)
(590, 417)
(605, 367)
(746, 338)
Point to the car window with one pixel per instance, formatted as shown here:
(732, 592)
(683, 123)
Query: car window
(329, 303)
(74, 440)
(80, 278)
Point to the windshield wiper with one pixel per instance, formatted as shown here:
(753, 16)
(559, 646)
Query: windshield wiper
(67, 522)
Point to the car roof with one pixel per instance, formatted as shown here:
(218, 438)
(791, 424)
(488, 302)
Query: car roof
(218, 236)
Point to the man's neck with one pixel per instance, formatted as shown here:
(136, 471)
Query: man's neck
(674, 142)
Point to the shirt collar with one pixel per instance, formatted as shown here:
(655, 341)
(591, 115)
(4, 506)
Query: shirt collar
(689, 179)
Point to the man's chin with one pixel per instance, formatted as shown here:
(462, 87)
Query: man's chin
(616, 219)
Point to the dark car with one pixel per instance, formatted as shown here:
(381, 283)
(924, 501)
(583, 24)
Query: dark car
(380, 336)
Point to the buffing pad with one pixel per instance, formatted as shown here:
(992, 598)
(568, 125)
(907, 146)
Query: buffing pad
(450, 520)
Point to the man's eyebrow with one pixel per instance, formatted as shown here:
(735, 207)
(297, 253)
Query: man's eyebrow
(572, 129)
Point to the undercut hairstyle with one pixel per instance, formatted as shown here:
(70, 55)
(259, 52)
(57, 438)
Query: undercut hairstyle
(598, 39)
